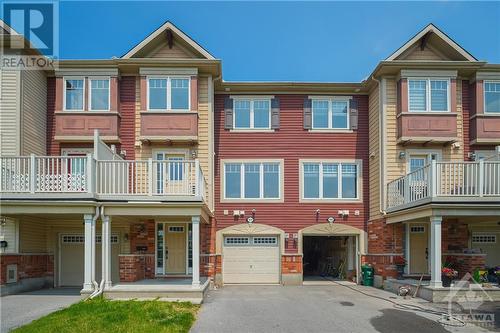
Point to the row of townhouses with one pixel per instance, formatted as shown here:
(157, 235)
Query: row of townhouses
(148, 174)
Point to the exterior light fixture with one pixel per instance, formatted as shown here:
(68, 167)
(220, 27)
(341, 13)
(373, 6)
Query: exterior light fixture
(402, 155)
(330, 219)
(250, 220)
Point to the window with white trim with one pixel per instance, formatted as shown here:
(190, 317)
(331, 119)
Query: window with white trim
(332, 113)
(484, 238)
(417, 229)
(237, 240)
(252, 180)
(168, 93)
(265, 240)
(99, 94)
(330, 180)
(73, 94)
(428, 95)
(252, 113)
(491, 97)
(176, 228)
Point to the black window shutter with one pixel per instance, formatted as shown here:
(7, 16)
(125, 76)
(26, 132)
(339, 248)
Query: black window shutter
(307, 113)
(228, 113)
(275, 113)
(353, 114)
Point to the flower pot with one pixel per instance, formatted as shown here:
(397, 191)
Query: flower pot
(446, 280)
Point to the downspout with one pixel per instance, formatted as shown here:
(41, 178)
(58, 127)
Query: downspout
(97, 287)
(212, 115)
(381, 126)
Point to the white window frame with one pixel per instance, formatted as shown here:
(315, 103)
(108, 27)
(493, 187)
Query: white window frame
(89, 102)
(261, 197)
(359, 180)
(66, 78)
(428, 93)
(169, 92)
(485, 235)
(422, 153)
(331, 99)
(252, 117)
(484, 97)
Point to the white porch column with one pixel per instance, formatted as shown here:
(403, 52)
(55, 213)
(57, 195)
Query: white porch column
(195, 220)
(89, 226)
(435, 251)
(106, 251)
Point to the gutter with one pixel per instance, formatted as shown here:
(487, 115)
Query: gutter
(98, 288)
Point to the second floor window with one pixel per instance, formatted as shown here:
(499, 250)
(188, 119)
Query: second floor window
(330, 180)
(99, 94)
(252, 114)
(428, 95)
(74, 94)
(252, 180)
(330, 114)
(492, 97)
(168, 93)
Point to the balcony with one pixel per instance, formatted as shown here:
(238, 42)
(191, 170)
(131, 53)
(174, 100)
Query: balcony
(80, 126)
(89, 178)
(169, 126)
(427, 127)
(450, 182)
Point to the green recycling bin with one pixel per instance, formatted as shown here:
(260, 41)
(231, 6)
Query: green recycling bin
(367, 271)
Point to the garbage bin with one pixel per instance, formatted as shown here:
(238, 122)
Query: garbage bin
(367, 271)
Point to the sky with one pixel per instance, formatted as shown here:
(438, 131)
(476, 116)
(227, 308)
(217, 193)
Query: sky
(280, 41)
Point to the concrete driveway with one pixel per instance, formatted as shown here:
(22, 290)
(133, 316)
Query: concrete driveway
(21, 309)
(326, 308)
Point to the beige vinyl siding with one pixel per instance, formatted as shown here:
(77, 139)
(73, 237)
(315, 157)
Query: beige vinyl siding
(450, 153)
(415, 53)
(33, 113)
(176, 52)
(373, 121)
(8, 233)
(9, 115)
(145, 151)
(32, 235)
(395, 167)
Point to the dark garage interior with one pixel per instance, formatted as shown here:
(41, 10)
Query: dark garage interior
(325, 256)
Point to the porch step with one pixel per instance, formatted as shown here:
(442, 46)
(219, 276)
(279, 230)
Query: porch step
(140, 296)
(417, 277)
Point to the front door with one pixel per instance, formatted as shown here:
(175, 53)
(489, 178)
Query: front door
(170, 173)
(171, 248)
(418, 249)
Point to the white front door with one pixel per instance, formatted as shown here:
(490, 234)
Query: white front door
(169, 176)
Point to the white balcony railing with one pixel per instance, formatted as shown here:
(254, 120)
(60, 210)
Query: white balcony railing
(445, 180)
(47, 174)
(85, 174)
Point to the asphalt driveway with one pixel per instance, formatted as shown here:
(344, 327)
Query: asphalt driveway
(326, 308)
(21, 309)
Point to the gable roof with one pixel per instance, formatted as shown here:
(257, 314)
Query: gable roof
(426, 33)
(155, 37)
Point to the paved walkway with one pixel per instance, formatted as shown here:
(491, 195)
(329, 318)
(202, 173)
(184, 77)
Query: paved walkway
(326, 308)
(21, 309)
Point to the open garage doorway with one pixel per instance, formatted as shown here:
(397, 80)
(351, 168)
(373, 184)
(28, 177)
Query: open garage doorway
(329, 257)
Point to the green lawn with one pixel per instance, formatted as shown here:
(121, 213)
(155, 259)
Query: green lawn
(101, 315)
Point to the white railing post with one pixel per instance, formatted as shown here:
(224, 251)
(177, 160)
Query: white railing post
(433, 179)
(150, 176)
(481, 178)
(89, 174)
(197, 177)
(33, 173)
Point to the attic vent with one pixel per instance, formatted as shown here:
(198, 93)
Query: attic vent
(170, 38)
(12, 273)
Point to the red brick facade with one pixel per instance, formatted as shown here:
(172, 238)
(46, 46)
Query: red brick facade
(28, 266)
(291, 264)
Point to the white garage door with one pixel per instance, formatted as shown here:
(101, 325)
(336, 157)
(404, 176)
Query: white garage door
(489, 243)
(251, 259)
(72, 259)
